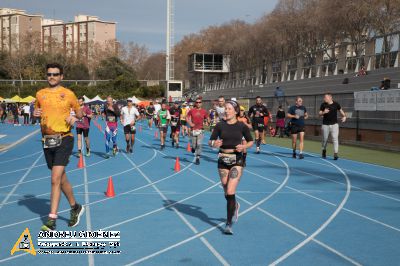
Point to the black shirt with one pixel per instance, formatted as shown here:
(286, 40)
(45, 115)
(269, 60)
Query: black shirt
(331, 117)
(175, 115)
(280, 114)
(150, 110)
(111, 116)
(257, 112)
(231, 134)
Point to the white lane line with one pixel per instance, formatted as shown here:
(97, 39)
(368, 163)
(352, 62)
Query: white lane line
(324, 225)
(329, 203)
(20, 180)
(338, 182)
(346, 169)
(88, 217)
(181, 216)
(22, 169)
(7, 148)
(293, 228)
(44, 177)
(105, 199)
(19, 158)
(200, 234)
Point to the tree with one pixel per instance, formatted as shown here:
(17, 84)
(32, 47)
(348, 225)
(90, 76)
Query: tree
(112, 67)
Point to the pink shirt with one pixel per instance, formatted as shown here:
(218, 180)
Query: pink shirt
(85, 120)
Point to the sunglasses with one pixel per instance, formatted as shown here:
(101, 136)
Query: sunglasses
(198, 102)
(53, 74)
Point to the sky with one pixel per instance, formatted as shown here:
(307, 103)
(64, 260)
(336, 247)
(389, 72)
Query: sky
(144, 21)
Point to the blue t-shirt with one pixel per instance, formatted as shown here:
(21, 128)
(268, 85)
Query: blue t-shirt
(300, 111)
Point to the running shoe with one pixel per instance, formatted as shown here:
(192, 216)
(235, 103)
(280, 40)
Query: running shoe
(294, 155)
(301, 156)
(162, 147)
(257, 150)
(131, 150)
(87, 153)
(197, 161)
(115, 151)
(193, 150)
(236, 216)
(324, 154)
(177, 145)
(335, 156)
(228, 230)
(76, 215)
(127, 148)
(173, 143)
(50, 225)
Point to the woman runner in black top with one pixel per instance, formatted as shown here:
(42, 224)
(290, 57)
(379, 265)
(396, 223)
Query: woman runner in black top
(227, 136)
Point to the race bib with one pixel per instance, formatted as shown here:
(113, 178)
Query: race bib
(227, 159)
(111, 119)
(174, 123)
(197, 132)
(133, 128)
(51, 141)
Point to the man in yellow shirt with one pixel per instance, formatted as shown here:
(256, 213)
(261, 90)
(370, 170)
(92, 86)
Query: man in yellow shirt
(53, 106)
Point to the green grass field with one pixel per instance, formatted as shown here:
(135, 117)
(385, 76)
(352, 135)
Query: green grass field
(385, 158)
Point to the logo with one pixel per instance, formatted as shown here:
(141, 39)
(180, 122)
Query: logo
(24, 243)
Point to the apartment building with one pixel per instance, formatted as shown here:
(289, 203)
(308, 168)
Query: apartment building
(79, 37)
(14, 24)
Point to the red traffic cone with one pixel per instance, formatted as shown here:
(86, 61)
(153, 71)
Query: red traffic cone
(177, 165)
(110, 188)
(80, 163)
(156, 134)
(189, 149)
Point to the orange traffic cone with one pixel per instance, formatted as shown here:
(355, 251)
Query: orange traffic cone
(189, 149)
(80, 163)
(177, 165)
(156, 134)
(110, 188)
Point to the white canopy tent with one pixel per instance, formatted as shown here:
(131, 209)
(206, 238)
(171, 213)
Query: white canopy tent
(96, 100)
(87, 99)
(135, 100)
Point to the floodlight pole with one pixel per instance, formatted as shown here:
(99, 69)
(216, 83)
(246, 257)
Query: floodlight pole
(169, 63)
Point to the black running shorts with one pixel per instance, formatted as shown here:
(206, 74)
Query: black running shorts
(59, 156)
(84, 131)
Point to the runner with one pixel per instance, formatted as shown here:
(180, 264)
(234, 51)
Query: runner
(227, 136)
(246, 120)
(328, 111)
(53, 105)
(213, 117)
(184, 109)
(27, 110)
(111, 113)
(220, 109)
(129, 115)
(280, 122)
(297, 115)
(163, 117)
(267, 119)
(196, 117)
(191, 106)
(150, 112)
(83, 126)
(176, 113)
(257, 113)
(157, 108)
